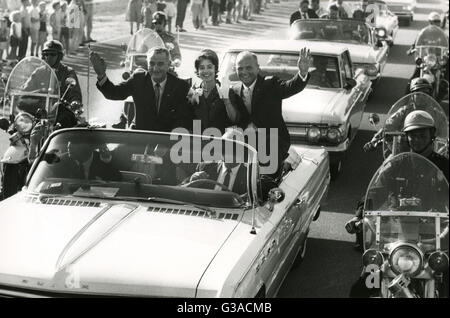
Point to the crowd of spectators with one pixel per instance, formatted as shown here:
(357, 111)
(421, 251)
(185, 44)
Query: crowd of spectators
(24, 21)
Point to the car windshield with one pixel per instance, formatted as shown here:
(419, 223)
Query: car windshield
(342, 31)
(284, 66)
(403, 198)
(140, 165)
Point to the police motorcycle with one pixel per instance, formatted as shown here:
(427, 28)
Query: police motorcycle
(431, 53)
(136, 58)
(394, 123)
(31, 101)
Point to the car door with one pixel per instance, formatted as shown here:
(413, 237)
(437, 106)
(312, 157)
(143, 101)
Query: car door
(355, 106)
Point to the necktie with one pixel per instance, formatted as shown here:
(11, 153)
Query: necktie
(247, 99)
(157, 96)
(226, 180)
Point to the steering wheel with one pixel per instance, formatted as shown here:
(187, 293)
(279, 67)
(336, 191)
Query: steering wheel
(208, 181)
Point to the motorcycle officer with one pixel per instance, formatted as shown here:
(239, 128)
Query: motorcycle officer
(420, 130)
(159, 24)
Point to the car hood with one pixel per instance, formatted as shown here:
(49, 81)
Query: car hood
(313, 106)
(117, 249)
(400, 2)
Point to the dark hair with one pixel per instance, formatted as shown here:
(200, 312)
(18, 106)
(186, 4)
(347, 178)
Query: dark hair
(209, 55)
(334, 7)
(304, 1)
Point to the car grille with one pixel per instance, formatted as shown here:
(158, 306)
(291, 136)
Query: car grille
(66, 202)
(199, 213)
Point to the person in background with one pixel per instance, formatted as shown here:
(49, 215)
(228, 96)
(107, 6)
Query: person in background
(65, 31)
(81, 38)
(26, 25)
(230, 11)
(15, 36)
(171, 12)
(89, 16)
(161, 5)
(74, 25)
(333, 13)
(159, 24)
(181, 14)
(148, 9)
(304, 12)
(42, 26)
(33, 10)
(4, 37)
(55, 20)
(133, 14)
(215, 8)
(318, 9)
(237, 11)
(197, 13)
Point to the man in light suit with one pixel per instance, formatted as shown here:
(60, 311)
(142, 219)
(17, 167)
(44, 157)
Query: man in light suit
(258, 100)
(159, 97)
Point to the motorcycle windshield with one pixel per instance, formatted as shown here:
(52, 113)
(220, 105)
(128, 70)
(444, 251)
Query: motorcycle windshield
(140, 43)
(432, 36)
(395, 141)
(407, 200)
(341, 31)
(32, 86)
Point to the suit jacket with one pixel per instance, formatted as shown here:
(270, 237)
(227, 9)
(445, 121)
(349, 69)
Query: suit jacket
(174, 110)
(211, 111)
(266, 111)
(298, 16)
(213, 170)
(69, 168)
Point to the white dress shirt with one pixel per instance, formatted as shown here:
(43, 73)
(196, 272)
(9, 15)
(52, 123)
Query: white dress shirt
(233, 174)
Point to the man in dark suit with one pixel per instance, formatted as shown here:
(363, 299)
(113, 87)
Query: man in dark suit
(160, 97)
(258, 101)
(304, 12)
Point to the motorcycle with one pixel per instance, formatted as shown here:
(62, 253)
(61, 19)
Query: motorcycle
(431, 58)
(136, 58)
(394, 123)
(31, 99)
(405, 229)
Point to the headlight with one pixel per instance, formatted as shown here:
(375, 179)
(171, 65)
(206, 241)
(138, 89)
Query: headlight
(430, 60)
(369, 69)
(372, 257)
(438, 261)
(406, 259)
(313, 134)
(381, 33)
(334, 135)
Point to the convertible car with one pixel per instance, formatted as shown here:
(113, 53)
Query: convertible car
(366, 49)
(403, 9)
(328, 112)
(136, 213)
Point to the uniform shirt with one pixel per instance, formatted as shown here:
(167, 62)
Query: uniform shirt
(169, 38)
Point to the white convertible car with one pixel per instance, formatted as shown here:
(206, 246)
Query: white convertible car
(366, 49)
(328, 112)
(119, 213)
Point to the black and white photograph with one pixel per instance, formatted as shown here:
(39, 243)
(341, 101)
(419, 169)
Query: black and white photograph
(224, 149)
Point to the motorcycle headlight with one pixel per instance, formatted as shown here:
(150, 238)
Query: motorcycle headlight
(406, 259)
(430, 60)
(438, 261)
(381, 32)
(372, 257)
(313, 134)
(334, 135)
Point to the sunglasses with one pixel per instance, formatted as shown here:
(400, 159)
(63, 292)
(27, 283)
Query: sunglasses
(49, 54)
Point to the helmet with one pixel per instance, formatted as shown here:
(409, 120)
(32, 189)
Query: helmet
(53, 46)
(418, 119)
(420, 84)
(159, 17)
(434, 17)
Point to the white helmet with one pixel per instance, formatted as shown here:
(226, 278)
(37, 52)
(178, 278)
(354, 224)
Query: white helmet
(418, 119)
(434, 17)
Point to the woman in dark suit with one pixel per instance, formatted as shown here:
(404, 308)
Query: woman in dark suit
(209, 106)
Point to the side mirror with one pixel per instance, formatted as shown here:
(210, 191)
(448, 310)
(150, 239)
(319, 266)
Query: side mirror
(374, 119)
(276, 195)
(350, 83)
(126, 75)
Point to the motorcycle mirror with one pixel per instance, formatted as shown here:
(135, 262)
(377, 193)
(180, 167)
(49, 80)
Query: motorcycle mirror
(4, 124)
(126, 75)
(374, 119)
(70, 81)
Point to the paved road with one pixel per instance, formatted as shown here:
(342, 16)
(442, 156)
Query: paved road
(331, 264)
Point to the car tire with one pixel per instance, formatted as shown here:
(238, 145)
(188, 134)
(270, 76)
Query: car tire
(335, 169)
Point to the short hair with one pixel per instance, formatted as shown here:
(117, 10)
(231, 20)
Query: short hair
(333, 7)
(304, 1)
(158, 50)
(55, 3)
(243, 54)
(209, 55)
